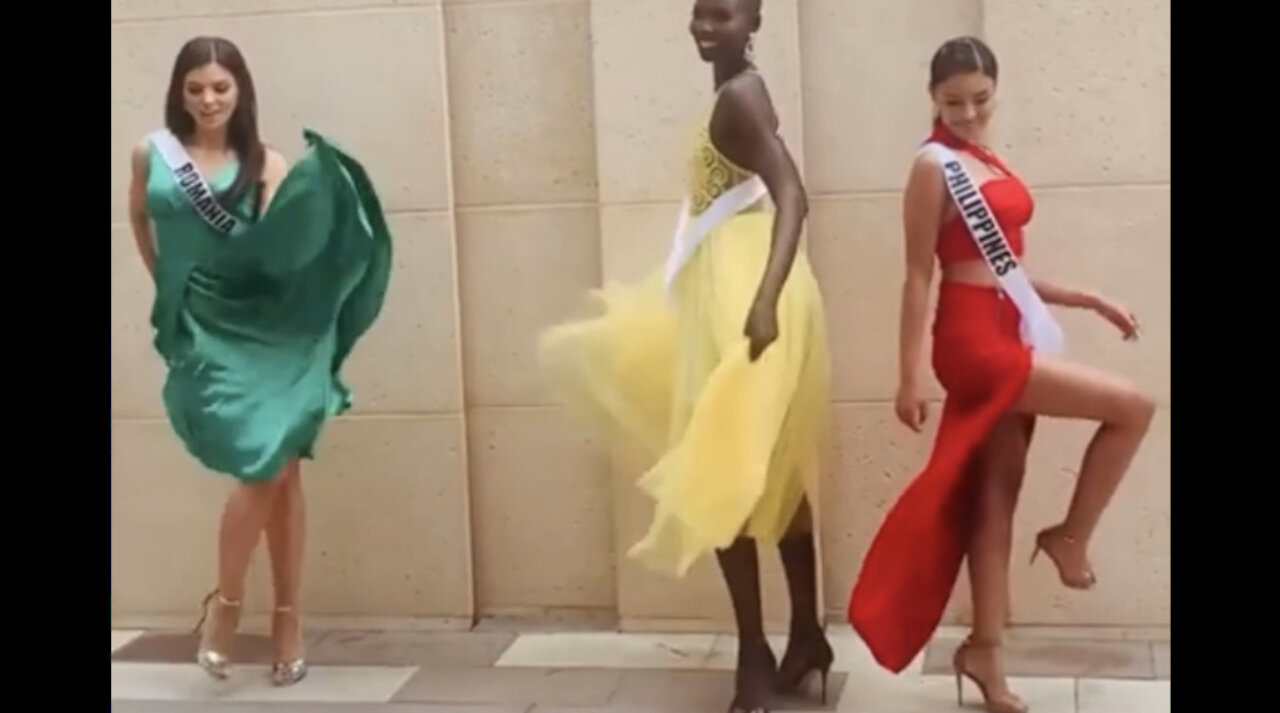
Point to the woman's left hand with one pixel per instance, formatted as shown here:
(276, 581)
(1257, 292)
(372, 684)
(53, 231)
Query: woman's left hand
(1120, 316)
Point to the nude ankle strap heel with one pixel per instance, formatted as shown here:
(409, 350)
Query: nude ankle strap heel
(995, 701)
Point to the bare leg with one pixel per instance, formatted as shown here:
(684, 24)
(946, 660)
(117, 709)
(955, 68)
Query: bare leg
(1067, 390)
(1001, 464)
(286, 533)
(756, 665)
(243, 518)
(807, 646)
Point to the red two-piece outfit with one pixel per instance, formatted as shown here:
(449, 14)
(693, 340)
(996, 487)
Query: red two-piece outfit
(980, 360)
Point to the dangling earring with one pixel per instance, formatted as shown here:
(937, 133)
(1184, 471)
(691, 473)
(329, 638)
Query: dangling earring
(749, 52)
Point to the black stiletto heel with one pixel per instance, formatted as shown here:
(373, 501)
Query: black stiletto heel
(818, 659)
(754, 682)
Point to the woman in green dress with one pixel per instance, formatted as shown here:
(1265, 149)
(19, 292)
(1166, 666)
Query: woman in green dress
(265, 277)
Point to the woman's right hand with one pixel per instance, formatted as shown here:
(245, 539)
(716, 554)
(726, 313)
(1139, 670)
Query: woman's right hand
(912, 410)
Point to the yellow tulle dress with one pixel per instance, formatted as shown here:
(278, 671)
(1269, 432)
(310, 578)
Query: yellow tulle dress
(733, 444)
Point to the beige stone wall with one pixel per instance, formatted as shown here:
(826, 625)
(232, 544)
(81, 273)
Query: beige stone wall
(526, 150)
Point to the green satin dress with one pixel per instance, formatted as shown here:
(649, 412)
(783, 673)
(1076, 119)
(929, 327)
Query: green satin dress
(254, 328)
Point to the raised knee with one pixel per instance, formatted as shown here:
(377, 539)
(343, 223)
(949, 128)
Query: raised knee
(1129, 408)
(1140, 409)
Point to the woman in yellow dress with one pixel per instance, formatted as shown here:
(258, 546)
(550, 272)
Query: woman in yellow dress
(718, 365)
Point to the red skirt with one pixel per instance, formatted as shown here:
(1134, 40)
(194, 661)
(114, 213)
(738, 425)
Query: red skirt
(910, 570)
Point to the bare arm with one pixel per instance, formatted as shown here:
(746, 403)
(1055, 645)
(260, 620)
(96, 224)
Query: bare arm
(1065, 296)
(756, 146)
(1118, 315)
(274, 169)
(138, 218)
(922, 205)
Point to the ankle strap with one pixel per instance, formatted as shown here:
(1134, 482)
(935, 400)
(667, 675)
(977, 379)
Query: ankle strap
(204, 608)
(223, 601)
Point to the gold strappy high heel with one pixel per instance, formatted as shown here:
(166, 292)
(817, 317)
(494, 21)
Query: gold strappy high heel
(214, 662)
(287, 673)
(996, 700)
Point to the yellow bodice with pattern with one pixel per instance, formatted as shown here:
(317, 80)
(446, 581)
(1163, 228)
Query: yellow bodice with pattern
(711, 173)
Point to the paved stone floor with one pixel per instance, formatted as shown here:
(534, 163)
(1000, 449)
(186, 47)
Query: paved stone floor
(508, 672)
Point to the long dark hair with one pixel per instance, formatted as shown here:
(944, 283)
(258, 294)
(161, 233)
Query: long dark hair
(962, 55)
(242, 128)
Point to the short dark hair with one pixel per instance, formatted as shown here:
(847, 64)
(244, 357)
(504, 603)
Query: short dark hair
(752, 5)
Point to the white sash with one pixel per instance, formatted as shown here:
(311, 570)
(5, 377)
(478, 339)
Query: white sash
(193, 186)
(1038, 327)
(690, 234)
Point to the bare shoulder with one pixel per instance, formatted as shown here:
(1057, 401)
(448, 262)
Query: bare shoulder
(140, 162)
(747, 91)
(275, 165)
(750, 81)
(926, 158)
(926, 167)
(926, 188)
(745, 105)
(141, 152)
(275, 159)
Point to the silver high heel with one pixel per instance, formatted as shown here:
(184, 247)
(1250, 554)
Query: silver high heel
(287, 673)
(215, 663)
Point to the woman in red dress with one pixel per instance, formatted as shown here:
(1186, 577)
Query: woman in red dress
(993, 354)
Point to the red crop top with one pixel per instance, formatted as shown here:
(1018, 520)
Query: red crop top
(1007, 196)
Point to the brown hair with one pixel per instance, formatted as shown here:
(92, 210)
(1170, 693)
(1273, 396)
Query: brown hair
(962, 55)
(242, 128)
